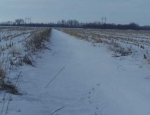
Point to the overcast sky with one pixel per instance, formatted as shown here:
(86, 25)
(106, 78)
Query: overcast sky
(116, 11)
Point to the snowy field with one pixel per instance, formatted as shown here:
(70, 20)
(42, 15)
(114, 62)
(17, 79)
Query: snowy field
(18, 47)
(122, 42)
(100, 74)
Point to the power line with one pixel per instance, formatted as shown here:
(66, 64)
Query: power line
(104, 19)
(27, 20)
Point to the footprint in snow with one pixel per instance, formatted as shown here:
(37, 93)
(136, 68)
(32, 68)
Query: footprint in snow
(91, 92)
(90, 101)
(97, 108)
(98, 84)
(96, 113)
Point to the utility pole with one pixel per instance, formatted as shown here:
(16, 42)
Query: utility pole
(105, 19)
(24, 22)
(30, 20)
(102, 20)
(27, 20)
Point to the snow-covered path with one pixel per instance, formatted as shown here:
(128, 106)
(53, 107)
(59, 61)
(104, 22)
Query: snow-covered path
(91, 83)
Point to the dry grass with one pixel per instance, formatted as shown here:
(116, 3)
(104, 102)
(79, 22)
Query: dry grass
(2, 76)
(12, 57)
(127, 38)
(36, 41)
(7, 85)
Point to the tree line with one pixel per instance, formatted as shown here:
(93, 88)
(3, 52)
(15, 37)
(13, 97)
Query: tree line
(77, 24)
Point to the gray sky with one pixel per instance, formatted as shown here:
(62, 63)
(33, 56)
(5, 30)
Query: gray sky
(116, 11)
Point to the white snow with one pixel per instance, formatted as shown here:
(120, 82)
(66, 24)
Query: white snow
(91, 83)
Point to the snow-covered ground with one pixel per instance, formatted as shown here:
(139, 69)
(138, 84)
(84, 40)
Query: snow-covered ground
(88, 81)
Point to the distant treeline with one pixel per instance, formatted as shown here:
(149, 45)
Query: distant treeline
(76, 24)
